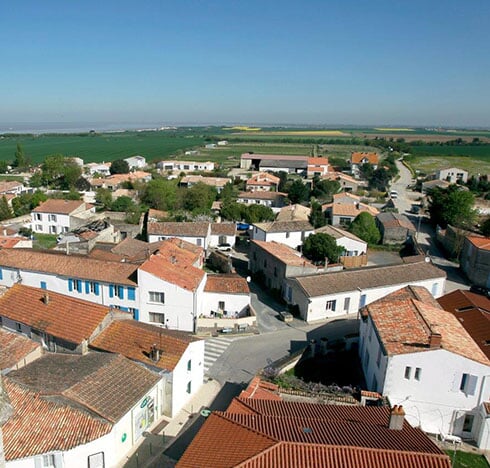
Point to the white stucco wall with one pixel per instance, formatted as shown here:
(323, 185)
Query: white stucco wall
(234, 303)
(351, 245)
(214, 240)
(199, 241)
(291, 239)
(43, 225)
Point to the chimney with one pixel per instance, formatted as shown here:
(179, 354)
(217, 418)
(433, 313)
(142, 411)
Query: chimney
(397, 416)
(154, 353)
(435, 340)
(46, 298)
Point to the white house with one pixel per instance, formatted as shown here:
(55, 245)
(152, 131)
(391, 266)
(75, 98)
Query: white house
(197, 233)
(263, 181)
(87, 410)
(274, 200)
(222, 233)
(419, 355)
(345, 208)
(177, 356)
(11, 187)
(58, 216)
(103, 169)
(226, 295)
(170, 292)
(217, 182)
(291, 233)
(358, 159)
(183, 166)
(328, 295)
(452, 175)
(352, 245)
(136, 162)
(100, 281)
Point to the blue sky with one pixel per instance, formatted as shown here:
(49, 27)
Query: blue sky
(314, 62)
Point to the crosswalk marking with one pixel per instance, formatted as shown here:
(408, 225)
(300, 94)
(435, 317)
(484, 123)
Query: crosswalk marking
(213, 349)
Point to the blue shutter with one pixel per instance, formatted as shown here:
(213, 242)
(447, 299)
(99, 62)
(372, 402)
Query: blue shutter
(1, 274)
(120, 289)
(136, 314)
(111, 290)
(97, 289)
(131, 294)
(70, 285)
(43, 285)
(87, 287)
(124, 309)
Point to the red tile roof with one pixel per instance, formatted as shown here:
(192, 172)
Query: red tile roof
(405, 320)
(227, 284)
(41, 425)
(63, 316)
(173, 229)
(183, 275)
(275, 157)
(223, 229)
(318, 161)
(473, 312)
(263, 178)
(284, 253)
(13, 348)
(356, 158)
(285, 226)
(261, 390)
(134, 340)
(57, 206)
(305, 434)
(7, 242)
(482, 243)
(69, 266)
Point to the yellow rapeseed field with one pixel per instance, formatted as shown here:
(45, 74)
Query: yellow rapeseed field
(243, 129)
(395, 129)
(306, 133)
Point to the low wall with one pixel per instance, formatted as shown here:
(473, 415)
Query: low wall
(226, 322)
(354, 262)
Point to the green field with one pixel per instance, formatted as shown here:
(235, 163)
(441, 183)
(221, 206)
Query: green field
(474, 151)
(101, 147)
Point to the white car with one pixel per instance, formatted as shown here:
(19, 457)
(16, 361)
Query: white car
(224, 247)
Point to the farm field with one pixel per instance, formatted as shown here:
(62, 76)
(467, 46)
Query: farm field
(428, 164)
(101, 147)
(475, 151)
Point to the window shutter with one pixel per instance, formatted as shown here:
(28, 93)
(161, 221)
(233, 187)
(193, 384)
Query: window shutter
(43, 285)
(87, 287)
(456, 382)
(471, 385)
(97, 289)
(1, 274)
(136, 314)
(38, 462)
(58, 460)
(111, 290)
(70, 285)
(131, 294)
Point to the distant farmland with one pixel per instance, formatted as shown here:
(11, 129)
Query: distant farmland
(101, 147)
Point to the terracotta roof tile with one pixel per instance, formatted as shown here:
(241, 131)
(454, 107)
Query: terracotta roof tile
(7, 185)
(338, 233)
(104, 383)
(285, 226)
(183, 275)
(294, 213)
(480, 242)
(7, 242)
(366, 278)
(373, 158)
(14, 347)
(263, 178)
(227, 284)
(272, 157)
(212, 181)
(57, 206)
(391, 220)
(318, 161)
(63, 316)
(69, 266)
(350, 209)
(134, 340)
(41, 426)
(284, 253)
(223, 229)
(405, 320)
(172, 229)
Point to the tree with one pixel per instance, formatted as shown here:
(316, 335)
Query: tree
(20, 160)
(82, 184)
(298, 192)
(4, 166)
(160, 194)
(119, 166)
(25, 203)
(232, 211)
(364, 227)
(5, 211)
(60, 172)
(257, 213)
(485, 227)
(123, 203)
(317, 217)
(199, 197)
(283, 179)
(103, 197)
(453, 206)
(325, 189)
(380, 179)
(318, 247)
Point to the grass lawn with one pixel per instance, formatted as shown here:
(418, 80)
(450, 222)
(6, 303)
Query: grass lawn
(428, 164)
(44, 241)
(467, 460)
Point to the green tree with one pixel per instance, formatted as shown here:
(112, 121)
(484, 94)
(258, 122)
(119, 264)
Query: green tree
(317, 217)
(325, 189)
(82, 184)
(364, 227)
(60, 172)
(123, 203)
(160, 194)
(25, 203)
(3, 167)
(36, 180)
(103, 197)
(318, 247)
(232, 211)
(229, 193)
(199, 197)
(283, 179)
(119, 166)
(5, 211)
(380, 179)
(485, 227)
(257, 213)
(453, 206)
(298, 192)
(20, 160)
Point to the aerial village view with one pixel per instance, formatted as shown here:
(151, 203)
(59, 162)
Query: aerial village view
(245, 234)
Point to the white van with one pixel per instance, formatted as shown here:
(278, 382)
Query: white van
(393, 194)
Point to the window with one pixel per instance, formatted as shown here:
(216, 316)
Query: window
(135, 313)
(52, 217)
(52, 229)
(288, 234)
(189, 365)
(119, 291)
(346, 304)
(468, 422)
(65, 228)
(38, 217)
(155, 317)
(363, 300)
(189, 386)
(434, 289)
(92, 286)
(43, 285)
(418, 372)
(408, 372)
(48, 461)
(221, 305)
(131, 294)
(331, 305)
(78, 285)
(468, 384)
(96, 460)
(157, 297)
(39, 227)
(199, 242)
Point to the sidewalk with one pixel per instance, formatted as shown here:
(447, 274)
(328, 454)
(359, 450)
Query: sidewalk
(149, 453)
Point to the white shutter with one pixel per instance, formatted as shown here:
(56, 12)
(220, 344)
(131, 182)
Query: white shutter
(38, 462)
(471, 384)
(456, 382)
(58, 460)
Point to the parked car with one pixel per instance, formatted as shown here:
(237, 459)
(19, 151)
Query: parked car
(393, 194)
(224, 247)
